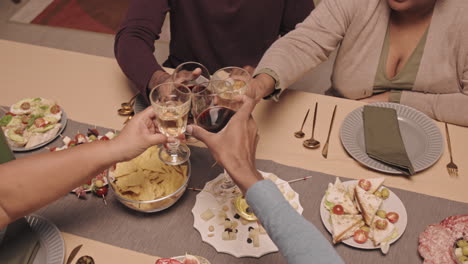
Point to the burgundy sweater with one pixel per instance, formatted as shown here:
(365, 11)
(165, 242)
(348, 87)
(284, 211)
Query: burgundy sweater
(216, 33)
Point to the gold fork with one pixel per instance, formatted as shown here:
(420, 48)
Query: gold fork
(451, 167)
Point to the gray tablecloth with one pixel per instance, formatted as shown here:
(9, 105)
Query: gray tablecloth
(171, 232)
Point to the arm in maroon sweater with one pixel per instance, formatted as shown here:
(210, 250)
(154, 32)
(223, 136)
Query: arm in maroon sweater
(134, 42)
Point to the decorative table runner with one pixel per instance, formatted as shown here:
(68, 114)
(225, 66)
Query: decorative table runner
(171, 232)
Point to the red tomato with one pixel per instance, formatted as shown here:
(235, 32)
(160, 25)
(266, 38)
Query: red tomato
(102, 191)
(381, 224)
(80, 136)
(10, 113)
(365, 184)
(167, 261)
(25, 106)
(24, 119)
(19, 131)
(72, 143)
(360, 236)
(338, 209)
(53, 149)
(392, 217)
(55, 109)
(104, 138)
(40, 122)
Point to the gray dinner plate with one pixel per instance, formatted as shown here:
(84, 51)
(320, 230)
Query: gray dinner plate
(421, 137)
(63, 121)
(52, 250)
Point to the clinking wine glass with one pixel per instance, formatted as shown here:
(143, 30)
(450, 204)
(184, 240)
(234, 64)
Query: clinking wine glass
(171, 103)
(226, 85)
(190, 74)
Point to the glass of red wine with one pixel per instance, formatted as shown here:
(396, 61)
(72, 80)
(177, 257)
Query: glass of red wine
(209, 110)
(213, 105)
(190, 74)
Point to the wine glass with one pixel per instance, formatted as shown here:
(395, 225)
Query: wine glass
(209, 110)
(227, 84)
(190, 74)
(238, 79)
(171, 103)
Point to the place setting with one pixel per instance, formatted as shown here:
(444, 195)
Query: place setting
(391, 138)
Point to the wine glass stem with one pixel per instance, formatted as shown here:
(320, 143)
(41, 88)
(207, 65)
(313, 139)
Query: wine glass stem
(228, 182)
(173, 146)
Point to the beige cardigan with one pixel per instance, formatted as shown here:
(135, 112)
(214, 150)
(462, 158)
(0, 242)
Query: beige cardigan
(441, 86)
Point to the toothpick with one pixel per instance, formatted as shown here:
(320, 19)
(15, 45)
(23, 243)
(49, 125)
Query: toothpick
(300, 179)
(61, 135)
(295, 180)
(195, 189)
(104, 199)
(214, 164)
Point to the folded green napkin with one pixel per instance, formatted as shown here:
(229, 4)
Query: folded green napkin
(20, 244)
(383, 139)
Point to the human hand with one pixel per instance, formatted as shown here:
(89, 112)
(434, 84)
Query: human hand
(382, 97)
(138, 135)
(157, 78)
(249, 69)
(263, 85)
(239, 157)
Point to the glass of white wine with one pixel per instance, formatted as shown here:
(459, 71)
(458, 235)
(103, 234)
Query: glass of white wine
(171, 103)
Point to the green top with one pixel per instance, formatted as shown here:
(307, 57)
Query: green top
(403, 80)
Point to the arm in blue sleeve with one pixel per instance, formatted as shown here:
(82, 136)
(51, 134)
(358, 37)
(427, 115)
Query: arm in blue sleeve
(298, 240)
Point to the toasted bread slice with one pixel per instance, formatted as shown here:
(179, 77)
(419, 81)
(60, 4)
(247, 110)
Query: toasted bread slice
(375, 184)
(343, 226)
(377, 235)
(337, 194)
(368, 204)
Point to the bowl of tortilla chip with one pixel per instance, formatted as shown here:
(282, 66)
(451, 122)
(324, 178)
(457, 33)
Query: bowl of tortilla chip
(146, 184)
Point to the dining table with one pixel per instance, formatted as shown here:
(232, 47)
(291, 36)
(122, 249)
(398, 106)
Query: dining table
(91, 88)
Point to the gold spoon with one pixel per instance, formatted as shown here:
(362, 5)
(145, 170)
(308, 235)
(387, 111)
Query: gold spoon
(311, 143)
(125, 112)
(300, 134)
(129, 105)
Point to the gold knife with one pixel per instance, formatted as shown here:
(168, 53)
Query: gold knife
(73, 254)
(325, 147)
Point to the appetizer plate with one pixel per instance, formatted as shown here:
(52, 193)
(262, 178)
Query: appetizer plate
(63, 122)
(239, 247)
(421, 137)
(52, 250)
(391, 204)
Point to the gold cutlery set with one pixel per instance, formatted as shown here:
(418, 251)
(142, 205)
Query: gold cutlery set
(127, 109)
(312, 143)
(451, 167)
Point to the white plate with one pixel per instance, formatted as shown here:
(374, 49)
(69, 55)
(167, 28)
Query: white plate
(391, 204)
(202, 260)
(63, 122)
(421, 137)
(239, 247)
(52, 250)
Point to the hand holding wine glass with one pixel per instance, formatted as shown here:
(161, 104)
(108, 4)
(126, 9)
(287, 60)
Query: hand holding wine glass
(171, 103)
(239, 158)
